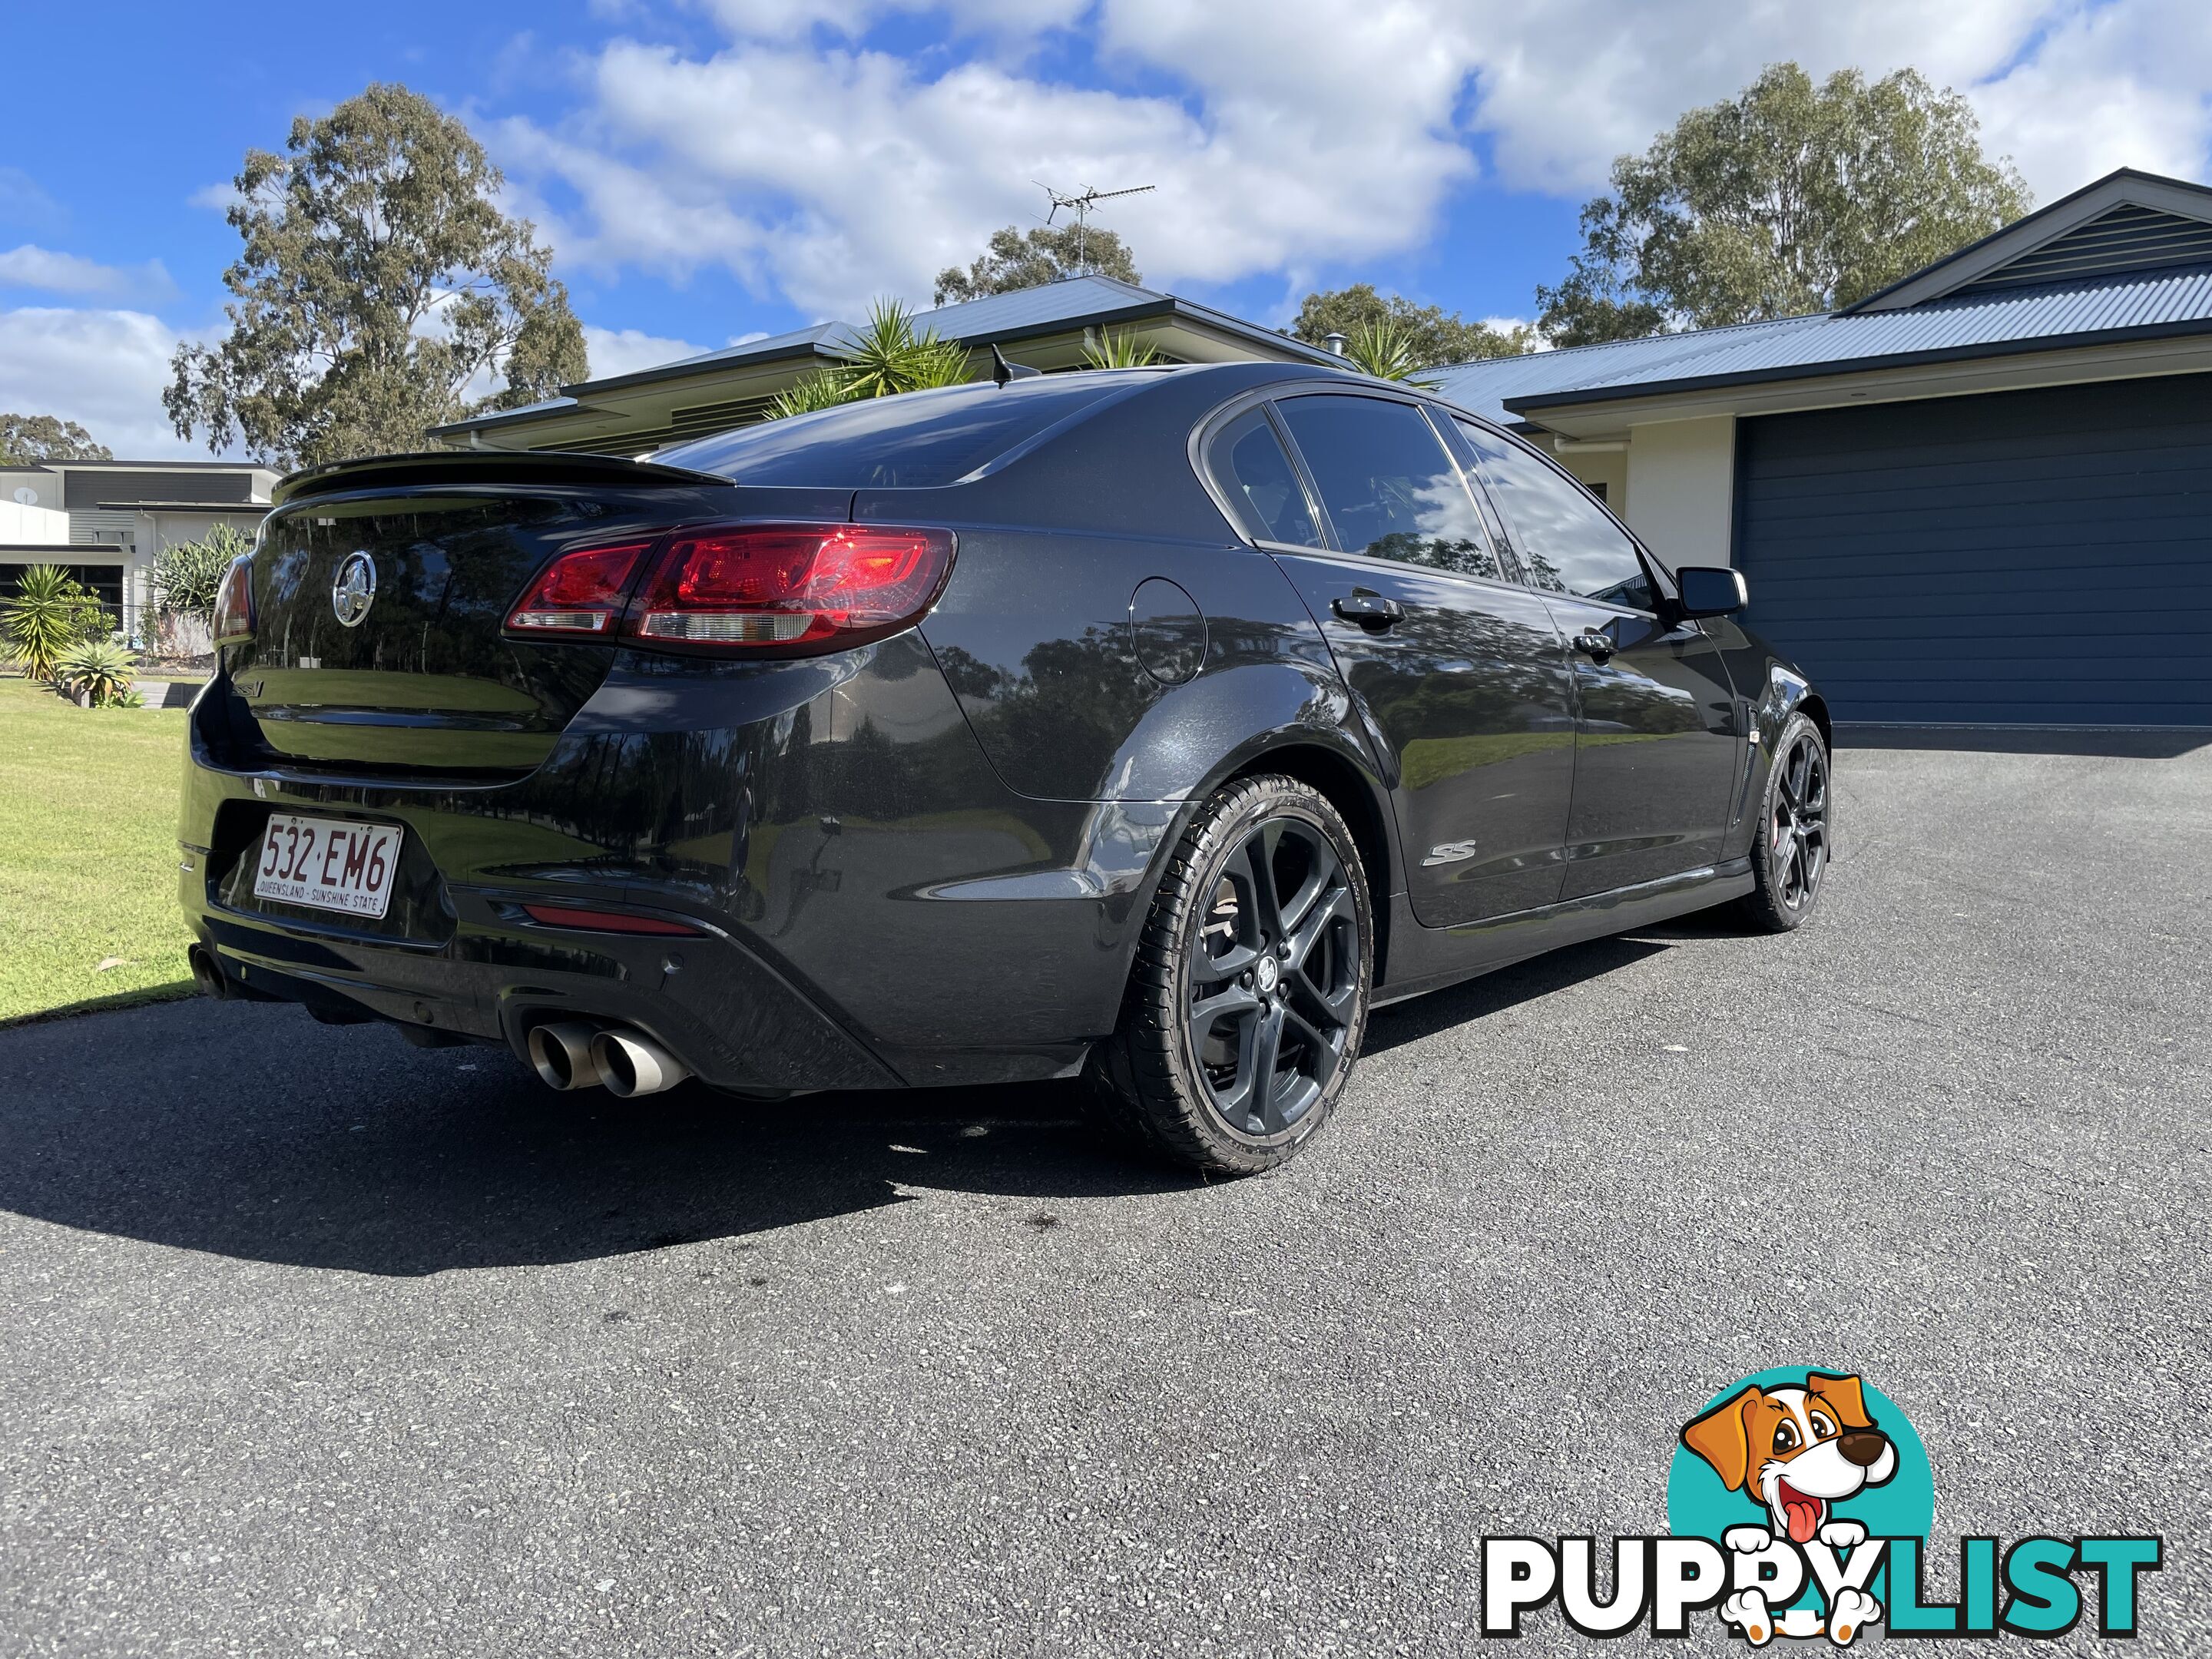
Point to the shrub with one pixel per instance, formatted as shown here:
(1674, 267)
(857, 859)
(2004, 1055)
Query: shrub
(97, 673)
(187, 574)
(1120, 348)
(1388, 349)
(51, 611)
(805, 396)
(889, 355)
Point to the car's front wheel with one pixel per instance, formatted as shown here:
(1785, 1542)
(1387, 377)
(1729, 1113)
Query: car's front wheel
(1248, 998)
(1790, 854)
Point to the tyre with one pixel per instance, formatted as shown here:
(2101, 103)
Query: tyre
(1249, 997)
(1790, 851)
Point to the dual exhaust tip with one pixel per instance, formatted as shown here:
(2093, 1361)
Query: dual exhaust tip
(572, 1055)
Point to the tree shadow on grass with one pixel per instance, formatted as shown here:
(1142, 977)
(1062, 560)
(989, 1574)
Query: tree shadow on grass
(174, 990)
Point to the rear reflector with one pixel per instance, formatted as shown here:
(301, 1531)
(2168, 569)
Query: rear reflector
(606, 921)
(580, 593)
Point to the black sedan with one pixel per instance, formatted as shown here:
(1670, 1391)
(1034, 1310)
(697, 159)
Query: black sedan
(1148, 726)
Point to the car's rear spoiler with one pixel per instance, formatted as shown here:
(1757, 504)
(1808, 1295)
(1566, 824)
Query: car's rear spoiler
(464, 466)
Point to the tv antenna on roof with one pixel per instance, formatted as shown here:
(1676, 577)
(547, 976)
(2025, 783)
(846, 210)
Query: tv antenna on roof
(1081, 206)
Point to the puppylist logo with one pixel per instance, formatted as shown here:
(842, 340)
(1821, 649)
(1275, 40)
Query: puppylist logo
(1798, 1508)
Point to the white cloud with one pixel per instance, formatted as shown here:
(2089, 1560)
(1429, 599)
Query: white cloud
(787, 20)
(626, 350)
(1283, 135)
(831, 176)
(105, 369)
(31, 266)
(216, 198)
(2121, 85)
(22, 202)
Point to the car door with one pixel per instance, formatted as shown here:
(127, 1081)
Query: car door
(1657, 727)
(1461, 679)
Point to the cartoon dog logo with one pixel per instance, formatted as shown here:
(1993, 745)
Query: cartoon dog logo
(1798, 1452)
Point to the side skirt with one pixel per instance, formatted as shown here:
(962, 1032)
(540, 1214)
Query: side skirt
(1425, 959)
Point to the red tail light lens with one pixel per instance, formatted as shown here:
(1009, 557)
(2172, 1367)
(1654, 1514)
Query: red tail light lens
(748, 587)
(233, 603)
(580, 594)
(757, 588)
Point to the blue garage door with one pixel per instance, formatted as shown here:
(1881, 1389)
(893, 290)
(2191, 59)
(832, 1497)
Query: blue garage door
(2037, 557)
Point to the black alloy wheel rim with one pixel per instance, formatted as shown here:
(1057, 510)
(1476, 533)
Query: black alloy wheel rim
(1797, 831)
(1275, 978)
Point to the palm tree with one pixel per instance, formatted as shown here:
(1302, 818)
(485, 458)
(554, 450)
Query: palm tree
(825, 390)
(1386, 349)
(50, 612)
(889, 356)
(1120, 348)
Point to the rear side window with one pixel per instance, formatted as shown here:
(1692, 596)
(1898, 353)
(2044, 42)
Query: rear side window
(1570, 543)
(1255, 473)
(916, 439)
(1390, 489)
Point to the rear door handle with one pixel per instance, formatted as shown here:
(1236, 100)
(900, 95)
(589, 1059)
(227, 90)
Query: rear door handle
(1595, 645)
(1370, 610)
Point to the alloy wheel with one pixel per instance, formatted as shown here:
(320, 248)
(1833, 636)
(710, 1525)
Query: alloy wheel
(1797, 831)
(1274, 977)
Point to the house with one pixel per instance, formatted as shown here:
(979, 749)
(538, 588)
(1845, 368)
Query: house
(1048, 327)
(106, 520)
(1981, 495)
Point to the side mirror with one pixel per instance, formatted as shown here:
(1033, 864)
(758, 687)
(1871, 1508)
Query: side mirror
(1711, 591)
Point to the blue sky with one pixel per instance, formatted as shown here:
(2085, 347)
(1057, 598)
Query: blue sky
(709, 169)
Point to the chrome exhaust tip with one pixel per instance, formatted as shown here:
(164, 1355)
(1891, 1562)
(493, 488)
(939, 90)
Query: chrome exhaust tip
(630, 1065)
(206, 974)
(564, 1055)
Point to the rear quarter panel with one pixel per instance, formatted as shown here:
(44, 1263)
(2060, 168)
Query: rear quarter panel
(1035, 631)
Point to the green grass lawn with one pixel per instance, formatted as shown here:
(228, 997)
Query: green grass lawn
(88, 854)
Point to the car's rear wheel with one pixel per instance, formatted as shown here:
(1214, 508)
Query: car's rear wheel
(1248, 999)
(1789, 854)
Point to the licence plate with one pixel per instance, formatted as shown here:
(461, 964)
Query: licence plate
(329, 863)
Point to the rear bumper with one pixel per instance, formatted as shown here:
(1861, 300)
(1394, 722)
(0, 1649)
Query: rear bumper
(704, 999)
(873, 906)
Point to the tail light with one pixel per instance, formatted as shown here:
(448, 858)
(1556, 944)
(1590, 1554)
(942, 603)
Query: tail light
(769, 589)
(785, 585)
(233, 603)
(580, 594)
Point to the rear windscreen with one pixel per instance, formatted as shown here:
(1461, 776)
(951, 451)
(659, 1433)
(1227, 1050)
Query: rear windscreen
(913, 440)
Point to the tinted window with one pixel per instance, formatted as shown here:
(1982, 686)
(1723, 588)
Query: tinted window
(1570, 543)
(914, 441)
(1392, 490)
(1258, 478)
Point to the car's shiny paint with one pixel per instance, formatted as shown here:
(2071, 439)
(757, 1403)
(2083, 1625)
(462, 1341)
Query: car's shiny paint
(925, 860)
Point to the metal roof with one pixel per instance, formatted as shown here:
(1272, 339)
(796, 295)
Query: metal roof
(1982, 324)
(2074, 273)
(1050, 309)
(798, 341)
(1484, 386)
(2010, 246)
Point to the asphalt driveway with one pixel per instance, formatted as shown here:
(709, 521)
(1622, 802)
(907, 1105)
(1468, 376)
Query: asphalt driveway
(315, 1342)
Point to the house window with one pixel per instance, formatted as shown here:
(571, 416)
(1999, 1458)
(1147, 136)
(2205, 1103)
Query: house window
(106, 580)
